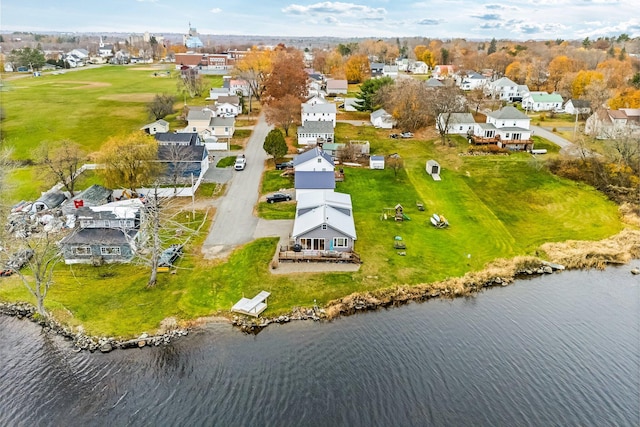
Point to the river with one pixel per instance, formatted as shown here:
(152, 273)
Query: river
(557, 350)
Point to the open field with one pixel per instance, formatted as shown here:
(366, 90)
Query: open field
(498, 207)
(86, 107)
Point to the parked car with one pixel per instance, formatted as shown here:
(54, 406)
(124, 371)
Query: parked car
(285, 165)
(394, 135)
(241, 162)
(169, 256)
(278, 197)
(406, 135)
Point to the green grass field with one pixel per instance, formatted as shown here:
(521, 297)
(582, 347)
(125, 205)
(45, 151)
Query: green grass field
(497, 207)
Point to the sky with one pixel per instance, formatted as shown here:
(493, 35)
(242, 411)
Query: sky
(444, 19)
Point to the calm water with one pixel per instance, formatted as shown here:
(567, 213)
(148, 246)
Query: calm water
(561, 350)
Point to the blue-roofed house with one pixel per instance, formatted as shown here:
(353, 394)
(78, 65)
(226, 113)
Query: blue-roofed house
(311, 181)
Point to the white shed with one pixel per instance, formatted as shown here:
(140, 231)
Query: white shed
(433, 169)
(376, 162)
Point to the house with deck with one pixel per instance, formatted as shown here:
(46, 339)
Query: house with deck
(314, 133)
(507, 128)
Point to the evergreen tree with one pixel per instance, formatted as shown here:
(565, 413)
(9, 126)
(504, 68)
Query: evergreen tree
(493, 46)
(368, 90)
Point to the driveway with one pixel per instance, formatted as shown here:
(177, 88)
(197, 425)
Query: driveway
(234, 223)
(567, 147)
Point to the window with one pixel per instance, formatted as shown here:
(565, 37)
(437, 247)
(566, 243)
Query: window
(319, 160)
(82, 250)
(340, 242)
(324, 226)
(110, 250)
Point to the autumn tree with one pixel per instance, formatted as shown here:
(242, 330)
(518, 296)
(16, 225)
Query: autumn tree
(516, 72)
(254, 67)
(536, 75)
(161, 106)
(625, 98)
(419, 50)
(284, 112)
(582, 80)
(129, 161)
(597, 93)
(616, 72)
(274, 144)
(356, 68)
(287, 77)
(335, 64)
(406, 101)
(320, 60)
(558, 68)
(62, 160)
(476, 98)
(367, 95)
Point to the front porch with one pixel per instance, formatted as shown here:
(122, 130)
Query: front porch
(289, 253)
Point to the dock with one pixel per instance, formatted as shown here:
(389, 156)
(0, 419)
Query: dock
(252, 306)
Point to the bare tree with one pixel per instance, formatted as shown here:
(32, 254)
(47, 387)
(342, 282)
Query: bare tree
(62, 160)
(176, 162)
(39, 252)
(161, 106)
(190, 82)
(159, 228)
(284, 112)
(444, 102)
(396, 163)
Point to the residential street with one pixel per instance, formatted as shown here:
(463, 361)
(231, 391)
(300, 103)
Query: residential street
(235, 223)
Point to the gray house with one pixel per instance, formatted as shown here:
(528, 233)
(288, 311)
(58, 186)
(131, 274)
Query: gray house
(312, 133)
(105, 234)
(311, 181)
(324, 222)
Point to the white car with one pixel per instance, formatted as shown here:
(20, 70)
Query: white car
(241, 162)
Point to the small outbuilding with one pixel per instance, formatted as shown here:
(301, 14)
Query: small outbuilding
(376, 162)
(48, 200)
(433, 169)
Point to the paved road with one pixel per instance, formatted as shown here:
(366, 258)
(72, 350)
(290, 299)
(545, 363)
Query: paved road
(234, 223)
(567, 147)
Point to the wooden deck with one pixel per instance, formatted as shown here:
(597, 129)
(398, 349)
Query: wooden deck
(286, 254)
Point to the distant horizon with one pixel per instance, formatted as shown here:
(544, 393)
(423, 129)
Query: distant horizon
(481, 20)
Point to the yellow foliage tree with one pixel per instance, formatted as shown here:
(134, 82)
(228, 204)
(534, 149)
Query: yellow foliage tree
(356, 68)
(626, 98)
(419, 51)
(516, 72)
(558, 68)
(254, 67)
(429, 58)
(582, 80)
(616, 72)
(129, 161)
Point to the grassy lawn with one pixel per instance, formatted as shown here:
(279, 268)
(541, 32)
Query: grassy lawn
(226, 162)
(497, 207)
(86, 106)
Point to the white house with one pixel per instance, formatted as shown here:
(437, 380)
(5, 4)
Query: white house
(236, 86)
(216, 92)
(159, 126)
(381, 119)
(312, 133)
(442, 71)
(376, 162)
(390, 71)
(504, 89)
(471, 80)
(577, 106)
(457, 123)
(419, 67)
(507, 128)
(542, 101)
(336, 87)
(221, 127)
(607, 124)
(324, 222)
(319, 112)
(313, 160)
(228, 106)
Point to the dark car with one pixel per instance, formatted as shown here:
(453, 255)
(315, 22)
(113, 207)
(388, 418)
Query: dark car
(169, 256)
(278, 197)
(394, 135)
(285, 165)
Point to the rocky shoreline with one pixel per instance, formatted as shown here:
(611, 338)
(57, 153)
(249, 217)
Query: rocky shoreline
(82, 341)
(617, 250)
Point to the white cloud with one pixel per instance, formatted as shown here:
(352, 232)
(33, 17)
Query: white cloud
(329, 8)
(216, 10)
